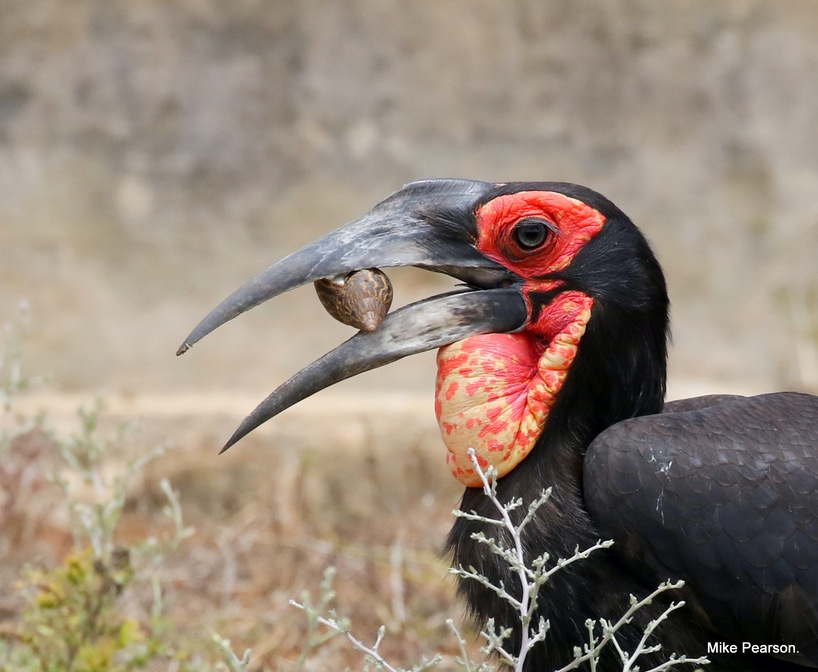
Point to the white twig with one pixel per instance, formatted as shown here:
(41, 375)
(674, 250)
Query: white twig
(536, 575)
(357, 644)
(234, 664)
(591, 651)
(526, 606)
(371, 652)
(532, 575)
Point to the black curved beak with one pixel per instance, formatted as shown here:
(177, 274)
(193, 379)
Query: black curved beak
(427, 224)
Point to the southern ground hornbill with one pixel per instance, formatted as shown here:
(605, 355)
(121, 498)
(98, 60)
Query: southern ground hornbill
(552, 368)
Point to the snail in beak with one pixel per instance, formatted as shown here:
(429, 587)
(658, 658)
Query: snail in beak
(360, 299)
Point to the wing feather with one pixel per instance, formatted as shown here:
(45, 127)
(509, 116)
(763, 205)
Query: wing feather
(722, 492)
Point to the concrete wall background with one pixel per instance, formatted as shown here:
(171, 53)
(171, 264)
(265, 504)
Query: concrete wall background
(155, 154)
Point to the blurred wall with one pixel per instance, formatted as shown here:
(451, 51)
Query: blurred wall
(155, 153)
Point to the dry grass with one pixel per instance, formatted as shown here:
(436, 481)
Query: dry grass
(362, 494)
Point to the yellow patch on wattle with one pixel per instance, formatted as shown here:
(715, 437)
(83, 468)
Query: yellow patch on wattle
(494, 391)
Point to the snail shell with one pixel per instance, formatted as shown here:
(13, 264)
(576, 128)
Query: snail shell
(360, 299)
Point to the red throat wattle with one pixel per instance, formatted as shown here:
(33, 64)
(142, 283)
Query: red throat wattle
(494, 391)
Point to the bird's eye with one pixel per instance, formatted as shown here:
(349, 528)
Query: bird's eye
(531, 232)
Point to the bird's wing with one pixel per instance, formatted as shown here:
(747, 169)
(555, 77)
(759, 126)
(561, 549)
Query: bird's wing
(723, 493)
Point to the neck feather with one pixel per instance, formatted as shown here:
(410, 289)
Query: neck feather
(618, 372)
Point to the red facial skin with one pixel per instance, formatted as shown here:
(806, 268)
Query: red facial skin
(494, 391)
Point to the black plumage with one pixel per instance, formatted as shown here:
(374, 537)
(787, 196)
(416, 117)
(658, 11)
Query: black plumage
(720, 492)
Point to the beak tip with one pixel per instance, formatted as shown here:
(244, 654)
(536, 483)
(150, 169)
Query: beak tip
(183, 349)
(230, 442)
(247, 426)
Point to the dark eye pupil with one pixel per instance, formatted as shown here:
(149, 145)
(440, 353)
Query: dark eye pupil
(530, 233)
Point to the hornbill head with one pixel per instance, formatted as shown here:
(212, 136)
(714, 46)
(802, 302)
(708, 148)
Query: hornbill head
(563, 306)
